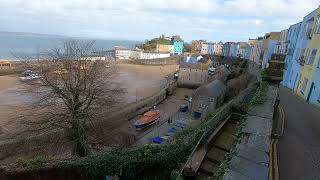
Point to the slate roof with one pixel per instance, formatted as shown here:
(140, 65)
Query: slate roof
(176, 38)
(213, 89)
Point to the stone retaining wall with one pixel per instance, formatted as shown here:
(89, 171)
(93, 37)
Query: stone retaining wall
(173, 60)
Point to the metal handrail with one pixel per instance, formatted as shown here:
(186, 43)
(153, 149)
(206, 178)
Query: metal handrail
(202, 136)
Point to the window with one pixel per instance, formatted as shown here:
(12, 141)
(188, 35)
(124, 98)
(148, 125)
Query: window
(301, 55)
(312, 56)
(305, 57)
(305, 28)
(318, 25)
(304, 85)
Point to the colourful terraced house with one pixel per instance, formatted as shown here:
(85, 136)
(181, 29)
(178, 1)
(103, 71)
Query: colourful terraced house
(177, 43)
(309, 83)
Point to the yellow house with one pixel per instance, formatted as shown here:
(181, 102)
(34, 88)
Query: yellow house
(4, 63)
(268, 37)
(165, 48)
(311, 57)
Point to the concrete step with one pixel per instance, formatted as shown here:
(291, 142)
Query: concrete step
(208, 167)
(231, 128)
(225, 141)
(202, 176)
(216, 154)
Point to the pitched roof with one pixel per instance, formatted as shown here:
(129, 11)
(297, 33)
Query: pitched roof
(213, 89)
(176, 38)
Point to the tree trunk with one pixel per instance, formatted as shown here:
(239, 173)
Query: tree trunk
(79, 138)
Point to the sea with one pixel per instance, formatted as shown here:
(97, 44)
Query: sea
(16, 45)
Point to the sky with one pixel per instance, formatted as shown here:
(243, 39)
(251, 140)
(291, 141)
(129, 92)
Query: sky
(213, 20)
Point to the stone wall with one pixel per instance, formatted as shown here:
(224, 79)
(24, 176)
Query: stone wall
(192, 78)
(173, 60)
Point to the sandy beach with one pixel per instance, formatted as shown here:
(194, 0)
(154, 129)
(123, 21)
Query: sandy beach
(138, 80)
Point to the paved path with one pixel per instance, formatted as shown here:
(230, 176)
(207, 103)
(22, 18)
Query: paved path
(299, 147)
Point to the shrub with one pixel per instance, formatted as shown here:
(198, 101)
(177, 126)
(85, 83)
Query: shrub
(260, 96)
(35, 162)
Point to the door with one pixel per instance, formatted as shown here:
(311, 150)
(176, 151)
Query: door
(310, 92)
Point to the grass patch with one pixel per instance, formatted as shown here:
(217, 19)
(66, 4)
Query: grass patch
(35, 162)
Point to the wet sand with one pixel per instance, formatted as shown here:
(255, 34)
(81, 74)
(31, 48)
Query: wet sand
(7, 82)
(142, 81)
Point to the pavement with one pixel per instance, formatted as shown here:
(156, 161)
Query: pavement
(299, 147)
(251, 158)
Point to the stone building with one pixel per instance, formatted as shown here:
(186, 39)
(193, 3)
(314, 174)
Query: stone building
(208, 97)
(192, 75)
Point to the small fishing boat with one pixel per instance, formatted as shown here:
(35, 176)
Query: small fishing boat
(147, 119)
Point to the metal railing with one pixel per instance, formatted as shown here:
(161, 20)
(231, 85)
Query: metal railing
(210, 126)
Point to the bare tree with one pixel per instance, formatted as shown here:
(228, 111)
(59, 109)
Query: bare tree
(76, 89)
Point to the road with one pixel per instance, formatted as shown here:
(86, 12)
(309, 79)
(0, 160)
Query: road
(299, 147)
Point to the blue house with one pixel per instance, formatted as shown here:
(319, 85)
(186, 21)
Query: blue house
(226, 49)
(177, 43)
(234, 49)
(210, 48)
(267, 54)
(293, 75)
(293, 34)
(314, 92)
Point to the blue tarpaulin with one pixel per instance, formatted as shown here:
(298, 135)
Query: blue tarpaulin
(157, 140)
(172, 130)
(181, 123)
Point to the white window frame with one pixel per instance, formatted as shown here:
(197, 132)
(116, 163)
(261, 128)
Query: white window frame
(318, 25)
(301, 54)
(312, 56)
(304, 85)
(306, 55)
